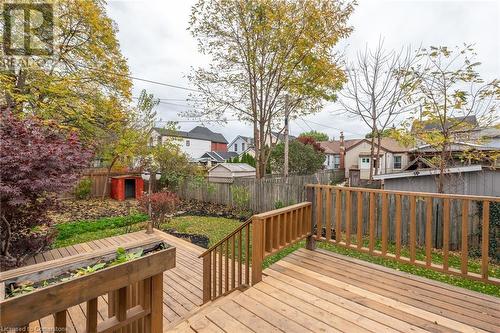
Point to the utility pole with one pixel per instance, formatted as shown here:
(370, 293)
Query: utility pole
(285, 167)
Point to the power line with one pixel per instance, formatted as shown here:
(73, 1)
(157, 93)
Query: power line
(335, 128)
(140, 79)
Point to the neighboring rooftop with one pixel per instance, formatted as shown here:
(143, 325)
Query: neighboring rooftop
(199, 132)
(470, 122)
(219, 156)
(333, 147)
(236, 167)
(281, 136)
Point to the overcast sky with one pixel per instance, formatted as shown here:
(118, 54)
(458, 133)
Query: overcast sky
(154, 39)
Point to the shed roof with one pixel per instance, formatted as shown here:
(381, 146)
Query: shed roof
(235, 167)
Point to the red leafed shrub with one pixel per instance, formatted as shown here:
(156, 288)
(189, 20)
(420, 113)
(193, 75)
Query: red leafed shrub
(36, 162)
(162, 204)
(309, 140)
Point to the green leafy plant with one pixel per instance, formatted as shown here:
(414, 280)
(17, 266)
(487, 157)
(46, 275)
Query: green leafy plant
(89, 269)
(241, 197)
(122, 256)
(83, 189)
(22, 289)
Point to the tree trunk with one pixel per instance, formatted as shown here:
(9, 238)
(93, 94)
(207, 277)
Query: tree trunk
(442, 166)
(377, 165)
(372, 153)
(108, 172)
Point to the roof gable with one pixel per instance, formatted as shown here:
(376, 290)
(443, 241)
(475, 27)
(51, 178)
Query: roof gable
(198, 133)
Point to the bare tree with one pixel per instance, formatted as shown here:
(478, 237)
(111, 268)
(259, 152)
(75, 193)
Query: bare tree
(376, 91)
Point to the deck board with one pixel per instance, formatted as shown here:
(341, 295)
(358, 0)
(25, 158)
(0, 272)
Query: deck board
(307, 291)
(321, 291)
(182, 285)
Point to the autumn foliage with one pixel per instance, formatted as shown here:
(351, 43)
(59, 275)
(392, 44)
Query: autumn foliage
(162, 204)
(36, 162)
(309, 140)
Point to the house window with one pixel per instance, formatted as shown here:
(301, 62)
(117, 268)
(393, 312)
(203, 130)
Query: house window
(336, 161)
(397, 162)
(365, 160)
(151, 141)
(158, 141)
(235, 147)
(188, 143)
(242, 146)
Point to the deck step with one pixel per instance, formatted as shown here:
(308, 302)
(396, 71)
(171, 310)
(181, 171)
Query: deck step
(194, 318)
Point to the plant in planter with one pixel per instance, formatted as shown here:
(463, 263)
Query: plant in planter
(162, 204)
(39, 290)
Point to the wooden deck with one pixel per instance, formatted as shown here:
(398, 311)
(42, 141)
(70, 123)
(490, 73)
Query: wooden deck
(318, 291)
(307, 291)
(182, 285)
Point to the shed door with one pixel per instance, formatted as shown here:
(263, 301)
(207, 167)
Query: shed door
(129, 188)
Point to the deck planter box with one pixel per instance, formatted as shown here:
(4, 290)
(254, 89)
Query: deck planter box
(144, 272)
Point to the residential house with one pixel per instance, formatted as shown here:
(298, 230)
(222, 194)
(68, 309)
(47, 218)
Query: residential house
(475, 146)
(240, 144)
(462, 129)
(227, 172)
(354, 155)
(194, 143)
(211, 158)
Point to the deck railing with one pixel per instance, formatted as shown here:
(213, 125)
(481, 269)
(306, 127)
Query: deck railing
(405, 226)
(226, 265)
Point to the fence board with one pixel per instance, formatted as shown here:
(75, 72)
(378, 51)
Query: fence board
(263, 193)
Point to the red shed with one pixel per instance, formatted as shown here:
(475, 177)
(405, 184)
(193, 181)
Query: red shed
(126, 187)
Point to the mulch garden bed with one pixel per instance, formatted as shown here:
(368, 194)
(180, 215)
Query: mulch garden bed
(200, 208)
(92, 209)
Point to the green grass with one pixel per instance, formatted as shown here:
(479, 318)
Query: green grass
(84, 231)
(420, 271)
(454, 258)
(215, 228)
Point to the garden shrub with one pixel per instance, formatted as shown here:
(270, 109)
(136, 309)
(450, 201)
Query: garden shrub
(241, 197)
(83, 189)
(162, 204)
(37, 162)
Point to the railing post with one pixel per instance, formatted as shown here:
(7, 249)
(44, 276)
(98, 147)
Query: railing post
(310, 242)
(207, 275)
(257, 249)
(157, 303)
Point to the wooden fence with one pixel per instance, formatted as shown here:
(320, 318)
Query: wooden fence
(394, 224)
(261, 194)
(226, 265)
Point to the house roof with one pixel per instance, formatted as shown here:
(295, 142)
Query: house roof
(418, 163)
(235, 167)
(199, 132)
(219, 156)
(428, 172)
(281, 136)
(435, 125)
(333, 147)
(455, 146)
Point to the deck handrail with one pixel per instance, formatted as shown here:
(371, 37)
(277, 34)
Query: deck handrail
(210, 249)
(226, 264)
(363, 217)
(419, 194)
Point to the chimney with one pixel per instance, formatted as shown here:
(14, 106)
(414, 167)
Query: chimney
(342, 151)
